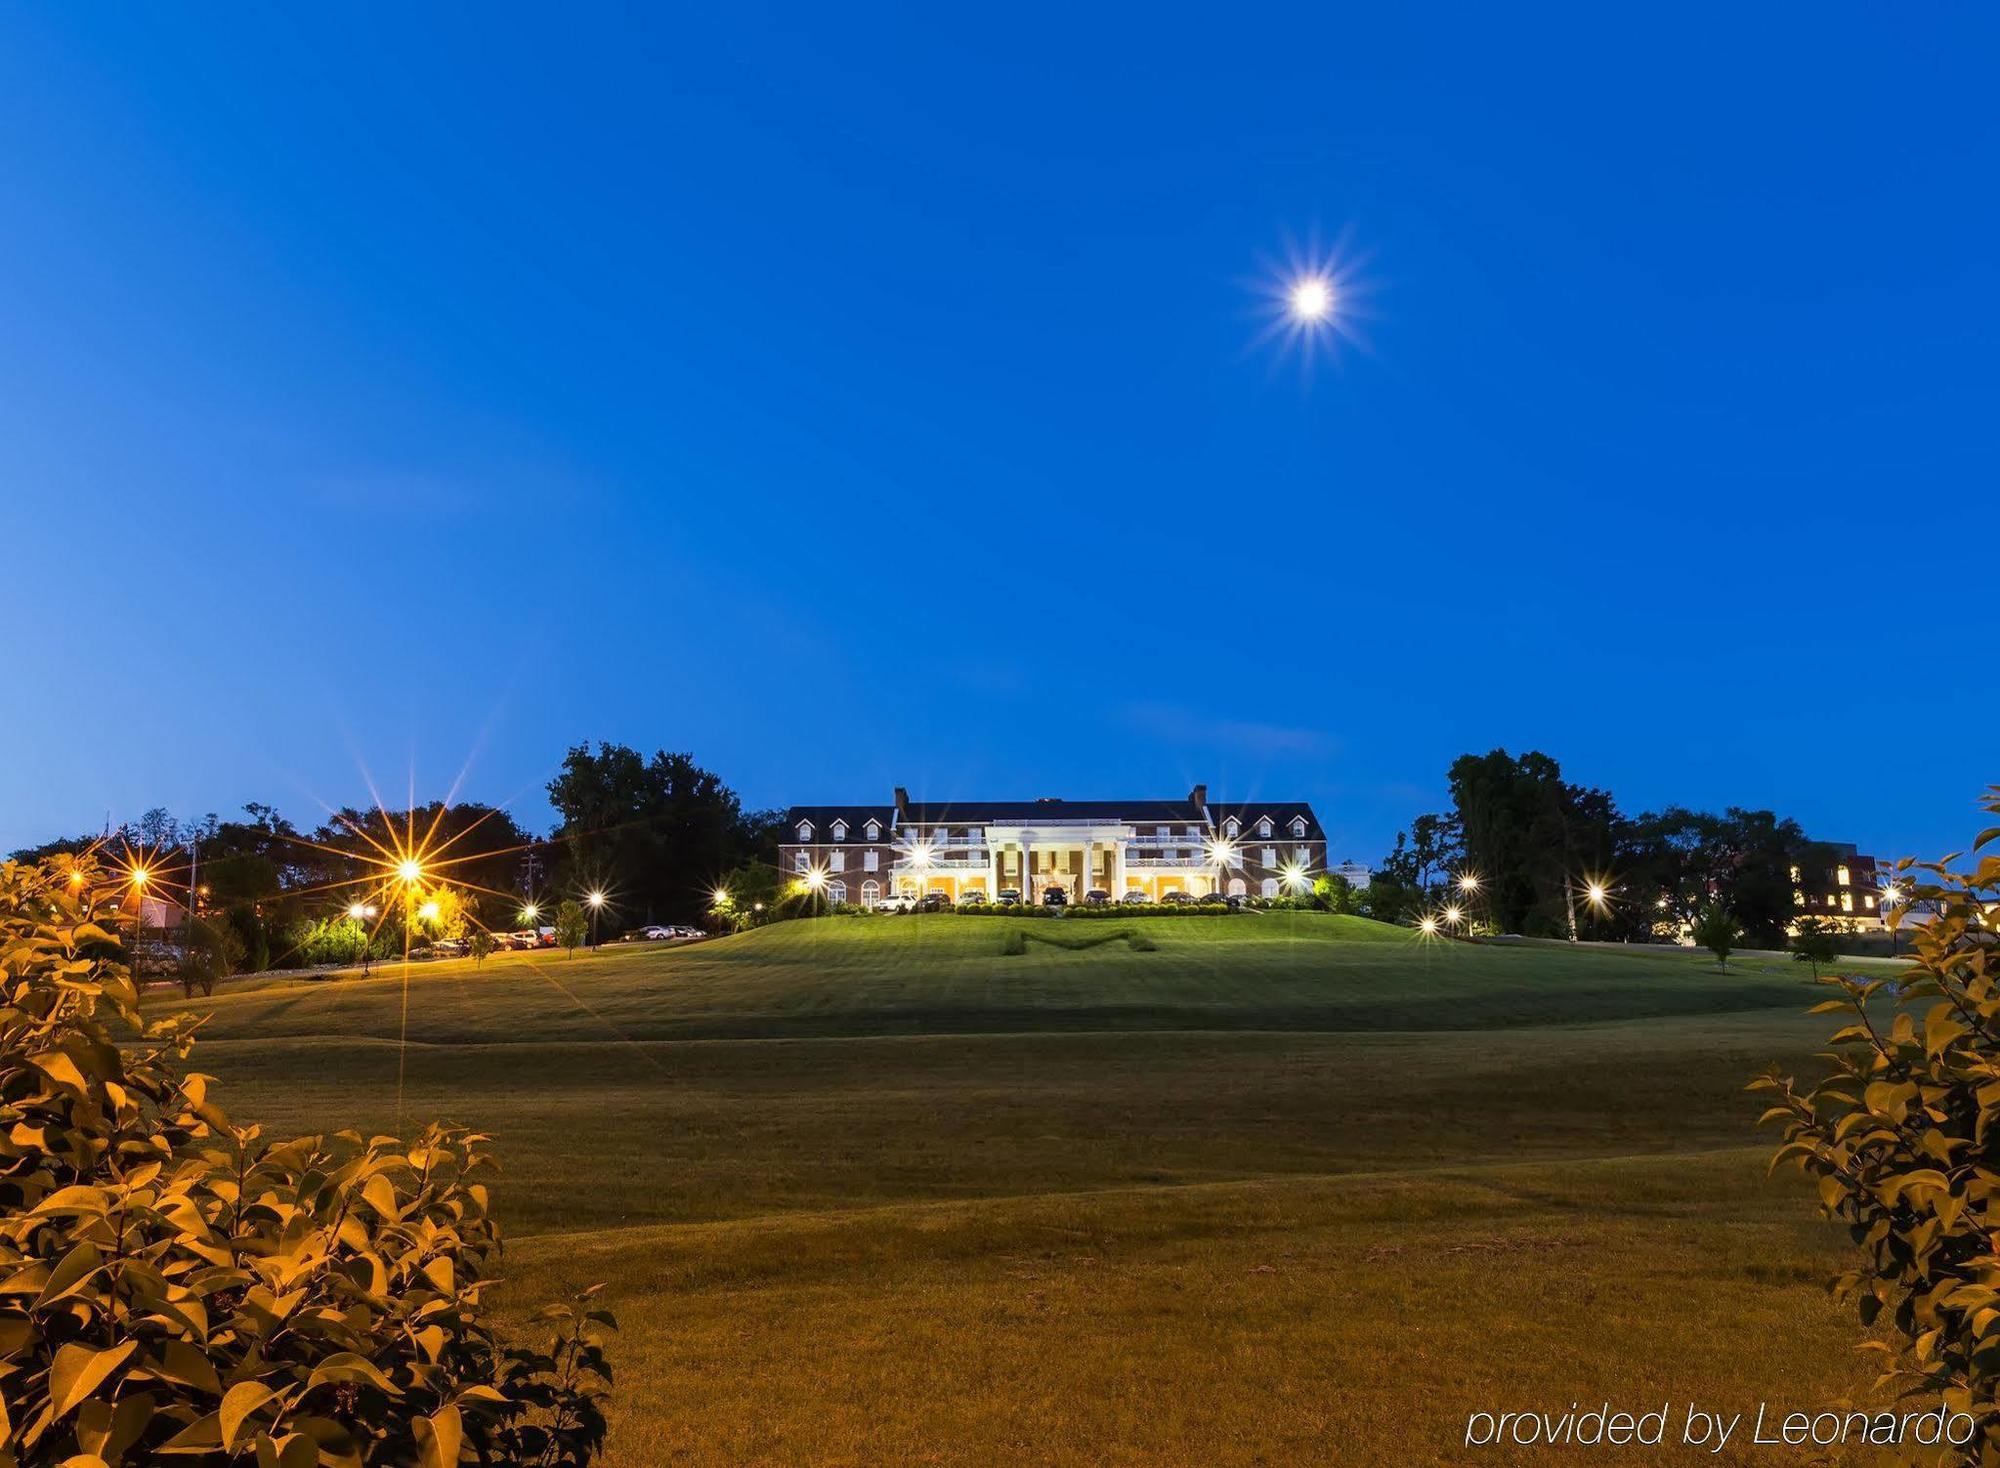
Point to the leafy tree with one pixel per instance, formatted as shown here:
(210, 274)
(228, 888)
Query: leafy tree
(210, 950)
(570, 925)
(209, 1294)
(758, 893)
(1715, 928)
(1899, 1136)
(1530, 835)
(481, 945)
(659, 831)
(1815, 943)
(1336, 893)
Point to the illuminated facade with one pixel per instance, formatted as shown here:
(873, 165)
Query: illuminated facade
(864, 853)
(1840, 887)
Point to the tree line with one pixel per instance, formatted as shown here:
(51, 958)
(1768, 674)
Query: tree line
(656, 836)
(1556, 859)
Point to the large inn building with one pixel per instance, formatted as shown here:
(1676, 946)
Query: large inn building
(863, 853)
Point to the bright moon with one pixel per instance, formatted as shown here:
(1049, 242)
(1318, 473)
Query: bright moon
(1312, 299)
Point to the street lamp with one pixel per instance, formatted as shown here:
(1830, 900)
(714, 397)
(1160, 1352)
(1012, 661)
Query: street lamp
(920, 863)
(1428, 927)
(1891, 895)
(596, 901)
(1468, 882)
(410, 870)
(1452, 915)
(138, 876)
(361, 912)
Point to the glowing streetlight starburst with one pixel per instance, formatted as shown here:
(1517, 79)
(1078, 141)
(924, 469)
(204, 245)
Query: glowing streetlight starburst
(1468, 882)
(1293, 876)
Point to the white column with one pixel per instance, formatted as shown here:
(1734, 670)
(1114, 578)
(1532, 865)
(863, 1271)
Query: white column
(1089, 848)
(992, 870)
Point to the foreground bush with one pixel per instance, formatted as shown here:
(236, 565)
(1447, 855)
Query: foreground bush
(1901, 1137)
(174, 1288)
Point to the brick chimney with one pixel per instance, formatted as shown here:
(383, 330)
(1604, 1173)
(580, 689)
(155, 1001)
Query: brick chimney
(902, 804)
(1199, 796)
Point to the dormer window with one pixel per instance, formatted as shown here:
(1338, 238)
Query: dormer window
(873, 830)
(840, 830)
(1298, 825)
(1232, 827)
(805, 830)
(1264, 826)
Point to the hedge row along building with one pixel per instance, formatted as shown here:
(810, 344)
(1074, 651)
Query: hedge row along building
(863, 853)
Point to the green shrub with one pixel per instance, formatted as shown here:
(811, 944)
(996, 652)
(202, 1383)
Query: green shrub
(179, 1286)
(1899, 1137)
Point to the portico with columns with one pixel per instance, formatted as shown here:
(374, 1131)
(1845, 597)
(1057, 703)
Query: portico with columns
(1027, 848)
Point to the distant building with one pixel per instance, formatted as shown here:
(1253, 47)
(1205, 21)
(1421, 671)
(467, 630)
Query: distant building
(1357, 873)
(1835, 883)
(864, 853)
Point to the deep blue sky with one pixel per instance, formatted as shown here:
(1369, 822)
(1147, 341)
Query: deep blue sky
(858, 399)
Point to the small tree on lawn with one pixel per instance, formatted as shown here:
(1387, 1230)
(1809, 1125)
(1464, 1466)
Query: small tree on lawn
(1715, 929)
(570, 925)
(1899, 1137)
(1815, 943)
(481, 944)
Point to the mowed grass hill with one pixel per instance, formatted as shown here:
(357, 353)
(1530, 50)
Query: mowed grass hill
(1256, 1189)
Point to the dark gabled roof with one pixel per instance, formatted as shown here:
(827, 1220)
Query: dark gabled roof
(823, 817)
(1027, 812)
(1281, 813)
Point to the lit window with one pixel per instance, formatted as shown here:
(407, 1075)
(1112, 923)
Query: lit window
(1868, 900)
(1795, 874)
(840, 830)
(836, 891)
(1298, 825)
(1264, 826)
(874, 830)
(805, 830)
(870, 860)
(799, 861)
(1270, 856)
(1840, 875)
(1270, 887)
(1798, 899)
(1232, 826)
(837, 862)
(871, 892)
(1847, 902)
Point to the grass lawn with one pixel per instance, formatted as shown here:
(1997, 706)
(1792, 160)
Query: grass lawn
(1283, 1188)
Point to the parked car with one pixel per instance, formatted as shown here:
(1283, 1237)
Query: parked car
(449, 948)
(683, 931)
(934, 902)
(974, 898)
(1010, 897)
(895, 902)
(1055, 897)
(657, 933)
(1135, 894)
(1175, 896)
(1097, 897)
